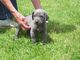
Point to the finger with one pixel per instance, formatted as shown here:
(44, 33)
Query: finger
(25, 20)
(25, 26)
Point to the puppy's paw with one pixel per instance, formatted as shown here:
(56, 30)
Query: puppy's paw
(43, 42)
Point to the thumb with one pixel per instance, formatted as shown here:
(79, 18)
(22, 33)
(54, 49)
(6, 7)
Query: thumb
(24, 26)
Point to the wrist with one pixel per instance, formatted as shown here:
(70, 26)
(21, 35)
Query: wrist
(16, 14)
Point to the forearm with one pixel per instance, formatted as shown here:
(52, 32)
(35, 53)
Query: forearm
(18, 17)
(36, 4)
(10, 7)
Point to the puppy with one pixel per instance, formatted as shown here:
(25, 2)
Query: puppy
(38, 22)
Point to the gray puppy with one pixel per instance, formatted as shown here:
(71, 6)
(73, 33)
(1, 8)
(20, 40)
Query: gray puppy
(38, 22)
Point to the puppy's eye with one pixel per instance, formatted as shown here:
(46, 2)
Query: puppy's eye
(41, 16)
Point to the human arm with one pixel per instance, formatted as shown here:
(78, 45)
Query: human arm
(36, 4)
(19, 17)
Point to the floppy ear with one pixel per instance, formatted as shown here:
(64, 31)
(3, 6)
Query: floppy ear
(33, 16)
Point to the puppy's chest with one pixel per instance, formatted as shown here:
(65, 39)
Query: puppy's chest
(38, 27)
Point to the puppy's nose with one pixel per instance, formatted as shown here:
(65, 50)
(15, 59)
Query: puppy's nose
(36, 21)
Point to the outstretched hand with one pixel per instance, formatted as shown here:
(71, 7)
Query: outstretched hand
(22, 21)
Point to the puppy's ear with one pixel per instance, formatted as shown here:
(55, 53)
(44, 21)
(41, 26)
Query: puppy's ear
(33, 16)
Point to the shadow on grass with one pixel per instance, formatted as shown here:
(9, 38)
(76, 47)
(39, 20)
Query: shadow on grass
(26, 34)
(49, 40)
(60, 28)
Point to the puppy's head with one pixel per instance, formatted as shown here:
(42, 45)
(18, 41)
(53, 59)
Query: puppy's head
(40, 17)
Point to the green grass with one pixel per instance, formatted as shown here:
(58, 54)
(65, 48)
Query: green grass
(63, 33)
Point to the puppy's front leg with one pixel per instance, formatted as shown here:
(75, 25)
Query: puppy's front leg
(44, 35)
(17, 32)
(33, 35)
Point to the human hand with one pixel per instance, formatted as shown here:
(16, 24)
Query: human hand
(22, 21)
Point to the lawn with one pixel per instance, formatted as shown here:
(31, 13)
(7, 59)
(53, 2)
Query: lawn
(63, 34)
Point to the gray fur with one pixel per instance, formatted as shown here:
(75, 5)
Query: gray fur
(37, 21)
